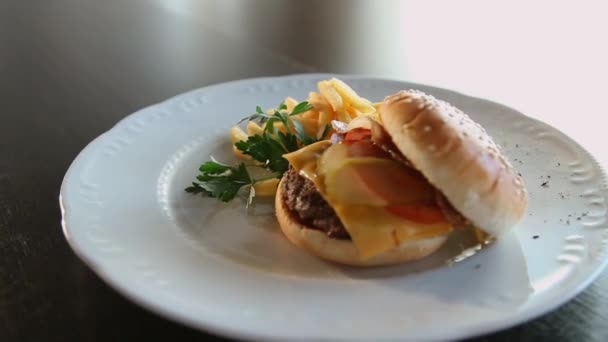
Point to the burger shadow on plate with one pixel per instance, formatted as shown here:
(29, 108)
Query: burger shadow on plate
(496, 275)
(460, 246)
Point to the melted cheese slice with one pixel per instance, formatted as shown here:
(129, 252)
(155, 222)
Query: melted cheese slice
(372, 229)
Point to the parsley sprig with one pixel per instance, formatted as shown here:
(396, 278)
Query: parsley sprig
(270, 147)
(220, 181)
(224, 181)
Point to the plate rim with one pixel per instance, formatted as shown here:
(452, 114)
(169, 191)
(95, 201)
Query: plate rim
(513, 319)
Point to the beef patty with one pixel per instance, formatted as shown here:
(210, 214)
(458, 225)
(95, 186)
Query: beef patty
(307, 205)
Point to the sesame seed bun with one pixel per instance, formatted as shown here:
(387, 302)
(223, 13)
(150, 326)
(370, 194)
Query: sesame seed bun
(344, 251)
(458, 157)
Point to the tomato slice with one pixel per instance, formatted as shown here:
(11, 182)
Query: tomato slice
(358, 134)
(419, 213)
(365, 148)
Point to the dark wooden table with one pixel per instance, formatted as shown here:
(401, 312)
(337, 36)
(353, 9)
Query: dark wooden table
(70, 69)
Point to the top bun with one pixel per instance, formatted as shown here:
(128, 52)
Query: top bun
(458, 157)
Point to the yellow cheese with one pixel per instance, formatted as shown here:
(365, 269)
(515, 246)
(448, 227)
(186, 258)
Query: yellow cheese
(305, 159)
(372, 229)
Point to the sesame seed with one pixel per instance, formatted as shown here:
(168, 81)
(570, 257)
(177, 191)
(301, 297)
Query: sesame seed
(427, 128)
(432, 148)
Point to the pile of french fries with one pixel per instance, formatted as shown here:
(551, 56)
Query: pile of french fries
(335, 100)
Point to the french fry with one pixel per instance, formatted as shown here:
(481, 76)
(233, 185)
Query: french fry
(254, 129)
(309, 123)
(279, 126)
(342, 115)
(290, 102)
(318, 102)
(310, 120)
(237, 134)
(321, 130)
(324, 119)
(266, 187)
(311, 114)
(331, 95)
(334, 99)
(321, 105)
(353, 112)
(239, 154)
(350, 96)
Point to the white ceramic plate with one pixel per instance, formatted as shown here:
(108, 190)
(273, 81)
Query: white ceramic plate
(212, 266)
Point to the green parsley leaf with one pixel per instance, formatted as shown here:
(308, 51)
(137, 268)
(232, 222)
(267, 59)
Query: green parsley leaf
(223, 188)
(195, 188)
(213, 168)
(220, 181)
(262, 117)
(289, 141)
(284, 118)
(265, 149)
(301, 108)
(301, 134)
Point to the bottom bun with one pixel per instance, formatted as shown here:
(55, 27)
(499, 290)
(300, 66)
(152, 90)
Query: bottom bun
(344, 251)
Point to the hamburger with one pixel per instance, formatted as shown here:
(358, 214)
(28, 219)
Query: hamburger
(391, 190)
